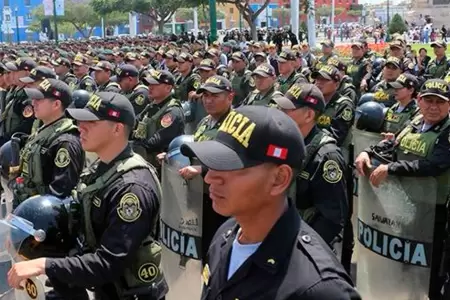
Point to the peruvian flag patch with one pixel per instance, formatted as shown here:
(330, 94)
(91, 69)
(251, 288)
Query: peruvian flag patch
(277, 152)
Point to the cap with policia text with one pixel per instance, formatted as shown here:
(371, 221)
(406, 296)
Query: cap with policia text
(439, 44)
(216, 84)
(436, 87)
(395, 61)
(159, 77)
(286, 55)
(327, 43)
(405, 80)
(184, 57)
(249, 136)
(102, 66)
(38, 73)
(25, 64)
(327, 72)
(61, 61)
(127, 70)
(51, 89)
(106, 106)
(301, 95)
(207, 65)
(264, 70)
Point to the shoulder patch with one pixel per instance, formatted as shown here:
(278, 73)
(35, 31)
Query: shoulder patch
(332, 173)
(347, 114)
(196, 84)
(411, 66)
(251, 81)
(139, 99)
(62, 158)
(166, 120)
(129, 209)
(28, 111)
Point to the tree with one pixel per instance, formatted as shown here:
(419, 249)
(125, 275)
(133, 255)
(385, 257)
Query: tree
(325, 11)
(186, 14)
(79, 14)
(160, 11)
(356, 13)
(397, 25)
(282, 14)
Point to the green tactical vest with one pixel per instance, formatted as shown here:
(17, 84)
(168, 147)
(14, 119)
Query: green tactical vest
(31, 167)
(110, 84)
(205, 132)
(307, 209)
(149, 125)
(394, 121)
(181, 88)
(283, 85)
(256, 98)
(354, 70)
(416, 146)
(145, 268)
(437, 70)
(9, 117)
(237, 83)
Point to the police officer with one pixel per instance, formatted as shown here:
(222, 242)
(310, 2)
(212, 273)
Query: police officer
(161, 121)
(392, 69)
(430, 129)
(265, 78)
(357, 69)
(128, 79)
(62, 69)
(121, 202)
(241, 79)
(402, 112)
(397, 49)
(37, 75)
(288, 76)
(103, 71)
(319, 191)
(250, 167)
(440, 65)
(18, 115)
(81, 71)
(327, 53)
(171, 64)
(52, 159)
(217, 96)
(187, 82)
(339, 111)
(346, 87)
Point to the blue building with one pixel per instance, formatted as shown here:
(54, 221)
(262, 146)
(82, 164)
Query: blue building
(16, 16)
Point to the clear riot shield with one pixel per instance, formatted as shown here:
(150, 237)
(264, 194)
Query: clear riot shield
(361, 140)
(181, 233)
(13, 232)
(395, 232)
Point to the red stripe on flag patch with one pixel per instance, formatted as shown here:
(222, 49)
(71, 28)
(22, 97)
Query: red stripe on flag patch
(277, 152)
(113, 113)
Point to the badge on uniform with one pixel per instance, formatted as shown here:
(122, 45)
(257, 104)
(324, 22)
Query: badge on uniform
(196, 84)
(129, 209)
(62, 158)
(331, 172)
(139, 100)
(206, 274)
(347, 114)
(27, 111)
(166, 120)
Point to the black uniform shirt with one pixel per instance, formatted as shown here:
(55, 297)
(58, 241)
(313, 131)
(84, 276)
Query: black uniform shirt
(322, 184)
(292, 263)
(62, 164)
(118, 238)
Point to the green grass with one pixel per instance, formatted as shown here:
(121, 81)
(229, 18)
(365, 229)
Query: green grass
(429, 49)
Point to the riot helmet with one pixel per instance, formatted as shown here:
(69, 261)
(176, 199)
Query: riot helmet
(80, 98)
(174, 156)
(367, 97)
(370, 116)
(5, 159)
(377, 66)
(45, 226)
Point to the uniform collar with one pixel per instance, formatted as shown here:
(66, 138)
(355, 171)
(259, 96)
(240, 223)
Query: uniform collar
(311, 135)
(161, 104)
(435, 127)
(273, 251)
(103, 167)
